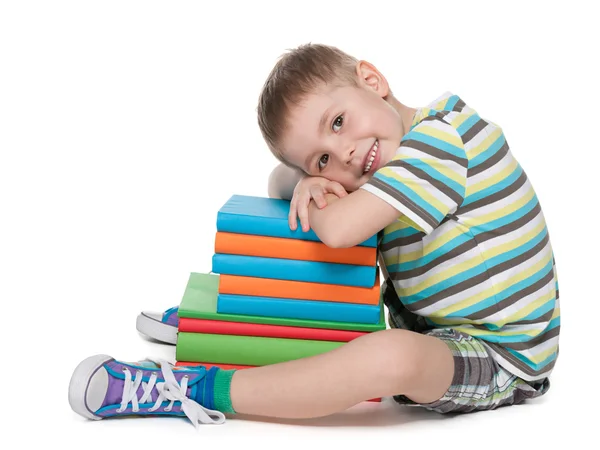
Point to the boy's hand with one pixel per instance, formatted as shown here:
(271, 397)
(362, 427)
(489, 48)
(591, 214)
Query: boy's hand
(311, 188)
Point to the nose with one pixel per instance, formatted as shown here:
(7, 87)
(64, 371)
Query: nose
(349, 155)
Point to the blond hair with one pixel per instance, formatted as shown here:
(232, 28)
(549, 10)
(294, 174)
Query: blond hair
(297, 73)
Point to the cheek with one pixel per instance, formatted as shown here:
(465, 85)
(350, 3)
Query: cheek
(393, 124)
(393, 134)
(346, 179)
(351, 184)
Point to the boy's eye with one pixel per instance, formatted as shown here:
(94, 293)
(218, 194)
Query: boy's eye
(337, 123)
(323, 161)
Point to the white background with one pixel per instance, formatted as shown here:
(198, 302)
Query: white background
(124, 126)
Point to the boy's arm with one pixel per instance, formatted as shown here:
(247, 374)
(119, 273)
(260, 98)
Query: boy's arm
(352, 219)
(282, 182)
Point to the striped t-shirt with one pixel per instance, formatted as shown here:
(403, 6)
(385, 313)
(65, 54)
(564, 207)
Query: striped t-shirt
(471, 249)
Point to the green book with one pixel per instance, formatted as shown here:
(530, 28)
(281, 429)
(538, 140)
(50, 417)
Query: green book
(200, 302)
(246, 350)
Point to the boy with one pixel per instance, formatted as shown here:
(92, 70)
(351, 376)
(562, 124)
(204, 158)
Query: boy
(470, 280)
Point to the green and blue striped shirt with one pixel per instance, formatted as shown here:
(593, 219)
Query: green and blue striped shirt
(471, 249)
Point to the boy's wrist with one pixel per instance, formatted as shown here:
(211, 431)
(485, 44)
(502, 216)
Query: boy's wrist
(318, 218)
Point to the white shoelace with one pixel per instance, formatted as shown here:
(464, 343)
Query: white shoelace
(168, 390)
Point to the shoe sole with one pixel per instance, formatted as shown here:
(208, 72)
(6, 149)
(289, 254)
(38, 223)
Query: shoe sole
(156, 329)
(79, 384)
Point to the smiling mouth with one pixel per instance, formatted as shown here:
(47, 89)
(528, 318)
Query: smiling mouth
(371, 156)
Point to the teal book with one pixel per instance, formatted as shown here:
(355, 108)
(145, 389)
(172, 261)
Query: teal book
(263, 216)
(297, 309)
(294, 270)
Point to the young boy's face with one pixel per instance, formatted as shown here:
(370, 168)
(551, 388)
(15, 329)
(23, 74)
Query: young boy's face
(343, 133)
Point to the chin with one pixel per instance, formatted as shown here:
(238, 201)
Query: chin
(362, 181)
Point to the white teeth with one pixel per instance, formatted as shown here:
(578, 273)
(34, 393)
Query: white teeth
(372, 158)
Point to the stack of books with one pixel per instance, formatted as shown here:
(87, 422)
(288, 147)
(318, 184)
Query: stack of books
(274, 294)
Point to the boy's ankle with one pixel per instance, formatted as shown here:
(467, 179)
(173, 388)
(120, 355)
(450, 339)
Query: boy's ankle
(222, 391)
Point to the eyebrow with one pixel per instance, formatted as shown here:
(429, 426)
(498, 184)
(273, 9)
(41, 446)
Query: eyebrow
(324, 118)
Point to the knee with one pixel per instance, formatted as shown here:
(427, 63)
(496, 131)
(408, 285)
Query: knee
(399, 358)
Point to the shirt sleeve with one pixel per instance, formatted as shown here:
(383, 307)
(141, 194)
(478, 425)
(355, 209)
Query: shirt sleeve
(426, 179)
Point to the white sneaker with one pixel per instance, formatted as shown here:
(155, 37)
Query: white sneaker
(159, 326)
(102, 387)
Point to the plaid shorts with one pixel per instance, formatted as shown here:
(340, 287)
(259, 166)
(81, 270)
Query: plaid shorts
(479, 383)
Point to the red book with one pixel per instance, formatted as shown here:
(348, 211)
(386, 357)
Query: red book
(209, 365)
(256, 329)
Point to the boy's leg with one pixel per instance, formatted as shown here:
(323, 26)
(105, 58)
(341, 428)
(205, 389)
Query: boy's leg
(379, 364)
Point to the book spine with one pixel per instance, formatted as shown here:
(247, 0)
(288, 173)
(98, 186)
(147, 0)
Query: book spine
(269, 287)
(254, 329)
(297, 309)
(287, 269)
(261, 226)
(209, 365)
(275, 247)
(247, 350)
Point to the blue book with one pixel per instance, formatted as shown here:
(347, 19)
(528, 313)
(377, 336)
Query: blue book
(294, 270)
(297, 309)
(264, 217)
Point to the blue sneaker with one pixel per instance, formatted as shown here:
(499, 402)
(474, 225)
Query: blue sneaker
(102, 387)
(159, 326)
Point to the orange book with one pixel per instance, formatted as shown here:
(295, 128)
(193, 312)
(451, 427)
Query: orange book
(274, 247)
(301, 290)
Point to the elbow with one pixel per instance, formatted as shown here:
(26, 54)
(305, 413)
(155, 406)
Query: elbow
(273, 189)
(282, 181)
(334, 239)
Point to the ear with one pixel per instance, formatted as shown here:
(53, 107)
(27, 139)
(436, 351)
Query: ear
(371, 78)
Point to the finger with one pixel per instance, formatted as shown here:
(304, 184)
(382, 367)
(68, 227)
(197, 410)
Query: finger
(303, 215)
(337, 189)
(292, 219)
(318, 195)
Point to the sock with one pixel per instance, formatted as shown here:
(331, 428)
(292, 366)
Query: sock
(214, 391)
(222, 392)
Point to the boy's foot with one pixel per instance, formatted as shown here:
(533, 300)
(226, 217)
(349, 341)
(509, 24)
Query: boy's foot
(102, 387)
(159, 326)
